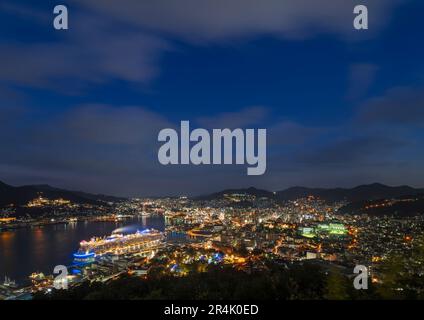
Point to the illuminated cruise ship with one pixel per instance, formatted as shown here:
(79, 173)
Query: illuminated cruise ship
(139, 242)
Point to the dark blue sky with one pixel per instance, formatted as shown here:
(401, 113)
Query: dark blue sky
(82, 108)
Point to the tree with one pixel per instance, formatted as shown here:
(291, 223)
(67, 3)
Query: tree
(337, 286)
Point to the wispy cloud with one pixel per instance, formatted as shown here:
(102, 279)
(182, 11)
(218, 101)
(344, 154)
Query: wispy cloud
(93, 53)
(400, 106)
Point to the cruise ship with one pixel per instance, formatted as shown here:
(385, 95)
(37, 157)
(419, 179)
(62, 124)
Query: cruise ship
(141, 242)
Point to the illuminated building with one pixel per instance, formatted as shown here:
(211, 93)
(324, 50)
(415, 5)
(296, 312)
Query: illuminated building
(41, 202)
(308, 232)
(337, 229)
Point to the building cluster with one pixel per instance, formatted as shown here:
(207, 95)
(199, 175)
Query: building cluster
(240, 230)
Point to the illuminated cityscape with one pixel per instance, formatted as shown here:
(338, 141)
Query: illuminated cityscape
(239, 230)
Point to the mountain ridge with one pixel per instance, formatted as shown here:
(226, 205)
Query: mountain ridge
(373, 191)
(21, 195)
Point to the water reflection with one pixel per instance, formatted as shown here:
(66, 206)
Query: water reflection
(28, 250)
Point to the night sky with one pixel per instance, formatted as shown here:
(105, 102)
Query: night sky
(81, 109)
